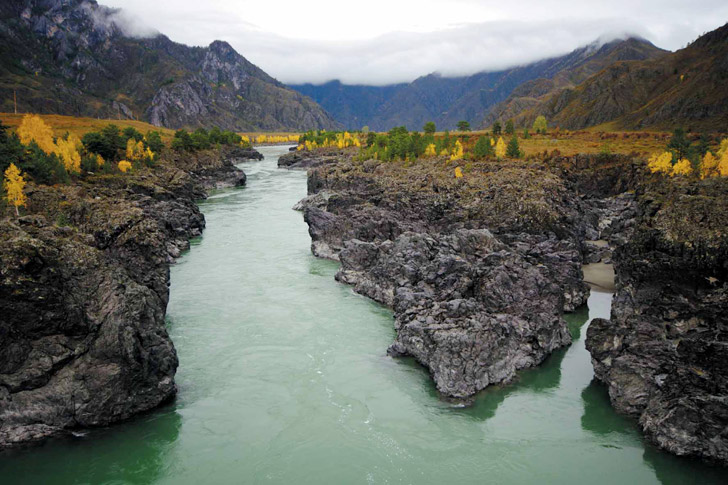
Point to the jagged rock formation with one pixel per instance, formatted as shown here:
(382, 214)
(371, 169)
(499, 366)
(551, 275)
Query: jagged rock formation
(683, 88)
(75, 58)
(84, 289)
(477, 270)
(664, 352)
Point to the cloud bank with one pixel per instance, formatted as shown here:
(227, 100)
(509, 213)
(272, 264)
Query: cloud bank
(383, 42)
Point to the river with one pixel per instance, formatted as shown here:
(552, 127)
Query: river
(284, 378)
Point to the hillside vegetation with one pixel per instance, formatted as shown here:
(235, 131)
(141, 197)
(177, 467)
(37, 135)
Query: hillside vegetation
(685, 88)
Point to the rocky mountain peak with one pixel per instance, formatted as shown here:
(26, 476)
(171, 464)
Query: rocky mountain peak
(87, 59)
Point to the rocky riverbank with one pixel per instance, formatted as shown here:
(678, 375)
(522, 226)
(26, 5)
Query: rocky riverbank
(664, 352)
(479, 270)
(84, 289)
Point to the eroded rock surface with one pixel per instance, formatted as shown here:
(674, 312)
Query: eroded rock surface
(664, 352)
(477, 270)
(84, 289)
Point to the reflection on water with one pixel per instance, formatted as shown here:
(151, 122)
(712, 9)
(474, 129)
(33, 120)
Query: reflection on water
(284, 378)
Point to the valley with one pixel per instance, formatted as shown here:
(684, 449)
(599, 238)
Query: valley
(517, 272)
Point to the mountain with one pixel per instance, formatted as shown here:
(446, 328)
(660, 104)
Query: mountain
(354, 106)
(449, 100)
(687, 87)
(75, 57)
(588, 61)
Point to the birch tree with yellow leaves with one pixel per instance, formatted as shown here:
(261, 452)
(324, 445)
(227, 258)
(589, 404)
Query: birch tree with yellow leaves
(660, 163)
(457, 151)
(67, 151)
(683, 167)
(500, 148)
(14, 185)
(33, 129)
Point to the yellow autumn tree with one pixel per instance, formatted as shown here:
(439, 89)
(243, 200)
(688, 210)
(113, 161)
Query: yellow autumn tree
(682, 167)
(100, 160)
(135, 150)
(500, 148)
(457, 152)
(124, 166)
(14, 185)
(430, 151)
(67, 151)
(660, 163)
(709, 166)
(33, 128)
(458, 173)
(723, 158)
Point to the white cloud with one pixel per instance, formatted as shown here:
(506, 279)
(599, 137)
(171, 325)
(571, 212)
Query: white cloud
(385, 41)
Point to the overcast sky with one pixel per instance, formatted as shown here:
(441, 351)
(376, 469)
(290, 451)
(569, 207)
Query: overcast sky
(385, 41)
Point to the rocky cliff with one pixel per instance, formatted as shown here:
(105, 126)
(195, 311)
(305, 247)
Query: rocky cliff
(84, 290)
(664, 352)
(77, 58)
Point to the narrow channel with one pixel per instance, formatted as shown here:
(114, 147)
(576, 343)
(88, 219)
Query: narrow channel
(284, 378)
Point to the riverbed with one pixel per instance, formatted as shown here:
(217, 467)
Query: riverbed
(284, 378)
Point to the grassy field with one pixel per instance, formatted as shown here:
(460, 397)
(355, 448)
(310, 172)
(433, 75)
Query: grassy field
(571, 143)
(81, 126)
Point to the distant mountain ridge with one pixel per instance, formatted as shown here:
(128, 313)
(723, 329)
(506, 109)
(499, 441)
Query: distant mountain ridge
(686, 88)
(449, 100)
(72, 57)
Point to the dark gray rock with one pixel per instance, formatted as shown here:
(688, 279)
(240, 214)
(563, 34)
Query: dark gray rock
(82, 331)
(664, 352)
(478, 281)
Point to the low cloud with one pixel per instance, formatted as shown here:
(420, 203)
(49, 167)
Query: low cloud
(128, 22)
(508, 34)
(401, 57)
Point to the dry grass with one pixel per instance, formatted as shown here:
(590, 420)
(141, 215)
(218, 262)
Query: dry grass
(81, 126)
(572, 143)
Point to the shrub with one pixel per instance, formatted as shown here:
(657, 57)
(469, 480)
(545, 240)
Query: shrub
(540, 126)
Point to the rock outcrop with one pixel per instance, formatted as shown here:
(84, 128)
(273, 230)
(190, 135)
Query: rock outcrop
(303, 160)
(84, 289)
(664, 352)
(477, 270)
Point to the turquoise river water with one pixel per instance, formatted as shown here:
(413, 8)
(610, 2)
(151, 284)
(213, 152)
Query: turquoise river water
(284, 378)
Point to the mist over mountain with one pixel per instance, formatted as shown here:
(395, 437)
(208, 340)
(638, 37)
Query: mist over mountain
(685, 88)
(447, 100)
